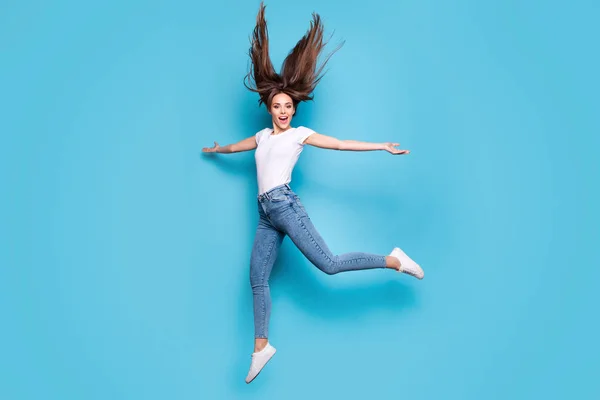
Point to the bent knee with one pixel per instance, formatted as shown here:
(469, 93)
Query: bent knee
(329, 266)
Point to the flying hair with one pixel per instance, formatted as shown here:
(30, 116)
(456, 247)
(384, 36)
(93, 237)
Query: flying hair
(300, 71)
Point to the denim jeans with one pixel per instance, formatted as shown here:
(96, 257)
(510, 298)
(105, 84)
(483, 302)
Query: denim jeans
(281, 213)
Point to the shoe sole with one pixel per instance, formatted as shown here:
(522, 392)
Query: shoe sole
(413, 275)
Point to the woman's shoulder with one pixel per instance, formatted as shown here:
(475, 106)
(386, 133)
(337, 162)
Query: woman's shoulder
(264, 130)
(260, 134)
(302, 133)
(304, 129)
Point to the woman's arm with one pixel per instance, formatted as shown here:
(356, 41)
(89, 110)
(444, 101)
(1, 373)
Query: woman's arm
(242, 145)
(329, 142)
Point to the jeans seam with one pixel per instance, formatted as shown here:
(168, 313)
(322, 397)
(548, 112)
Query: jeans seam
(262, 278)
(319, 247)
(311, 236)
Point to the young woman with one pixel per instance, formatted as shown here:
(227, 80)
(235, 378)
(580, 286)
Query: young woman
(277, 150)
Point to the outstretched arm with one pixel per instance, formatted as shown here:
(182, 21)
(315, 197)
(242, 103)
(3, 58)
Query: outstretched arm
(329, 142)
(243, 145)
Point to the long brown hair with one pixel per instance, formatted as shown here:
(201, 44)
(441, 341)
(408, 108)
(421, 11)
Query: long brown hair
(300, 72)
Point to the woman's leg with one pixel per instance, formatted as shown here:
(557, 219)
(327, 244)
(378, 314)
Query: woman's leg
(305, 236)
(266, 246)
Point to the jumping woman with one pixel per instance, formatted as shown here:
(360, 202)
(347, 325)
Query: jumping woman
(277, 150)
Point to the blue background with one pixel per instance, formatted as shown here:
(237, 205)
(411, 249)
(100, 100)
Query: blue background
(124, 250)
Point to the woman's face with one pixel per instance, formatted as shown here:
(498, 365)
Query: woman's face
(282, 110)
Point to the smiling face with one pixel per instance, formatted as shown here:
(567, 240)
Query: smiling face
(282, 110)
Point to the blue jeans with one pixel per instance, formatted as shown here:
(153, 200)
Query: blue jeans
(281, 213)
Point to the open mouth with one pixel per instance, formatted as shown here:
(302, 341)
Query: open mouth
(283, 119)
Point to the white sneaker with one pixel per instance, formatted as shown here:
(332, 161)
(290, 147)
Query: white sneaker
(407, 265)
(259, 360)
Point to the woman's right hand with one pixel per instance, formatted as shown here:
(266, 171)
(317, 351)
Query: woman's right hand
(212, 149)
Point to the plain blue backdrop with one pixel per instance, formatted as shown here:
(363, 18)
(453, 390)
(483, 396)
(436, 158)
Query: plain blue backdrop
(124, 250)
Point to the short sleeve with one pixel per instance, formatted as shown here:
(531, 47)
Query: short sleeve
(258, 136)
(303, 134)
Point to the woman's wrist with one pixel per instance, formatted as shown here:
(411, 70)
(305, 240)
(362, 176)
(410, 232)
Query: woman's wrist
(225, 149)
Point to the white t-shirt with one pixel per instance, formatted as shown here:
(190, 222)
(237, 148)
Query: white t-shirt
(276, 155)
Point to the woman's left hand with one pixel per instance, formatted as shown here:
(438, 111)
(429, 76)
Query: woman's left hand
(391, 147)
